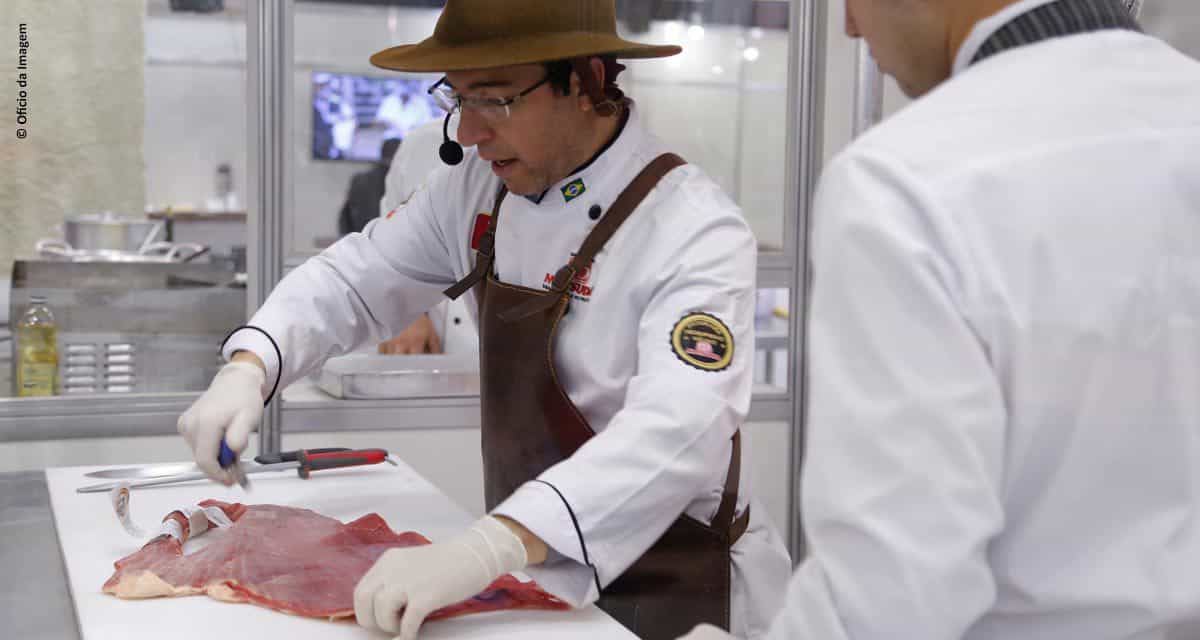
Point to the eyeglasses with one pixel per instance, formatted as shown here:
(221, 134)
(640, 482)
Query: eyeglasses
(490, 109)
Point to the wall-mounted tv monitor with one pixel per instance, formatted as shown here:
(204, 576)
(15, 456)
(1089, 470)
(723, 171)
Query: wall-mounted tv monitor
(353, 114)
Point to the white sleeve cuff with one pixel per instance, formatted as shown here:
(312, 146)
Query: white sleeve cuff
(568, 581)
(258, 344)
(540, 509)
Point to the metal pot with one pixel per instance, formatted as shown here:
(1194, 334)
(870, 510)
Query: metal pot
(107, 232)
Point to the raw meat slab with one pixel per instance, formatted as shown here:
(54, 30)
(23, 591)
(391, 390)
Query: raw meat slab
(91, 538)
(292, 560)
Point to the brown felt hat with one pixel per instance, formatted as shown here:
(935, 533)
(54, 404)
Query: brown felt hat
(483, 34)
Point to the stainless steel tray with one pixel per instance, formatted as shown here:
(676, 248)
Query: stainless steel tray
(383, 377)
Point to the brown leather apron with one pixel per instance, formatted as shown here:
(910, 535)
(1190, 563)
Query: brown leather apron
(529, 424)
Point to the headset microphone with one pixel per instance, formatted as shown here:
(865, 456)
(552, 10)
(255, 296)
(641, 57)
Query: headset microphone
(450, 151)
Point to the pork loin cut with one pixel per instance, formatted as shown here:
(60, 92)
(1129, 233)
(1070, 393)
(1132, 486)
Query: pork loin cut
(291, 560)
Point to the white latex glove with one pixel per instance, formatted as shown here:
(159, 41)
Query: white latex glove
(231, 408)
(707, 632)
(408, 584)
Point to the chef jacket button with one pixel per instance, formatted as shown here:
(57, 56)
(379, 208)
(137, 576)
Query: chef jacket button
(594, 212)
(457, 320)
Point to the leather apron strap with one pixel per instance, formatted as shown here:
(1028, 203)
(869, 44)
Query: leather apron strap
(485, 255)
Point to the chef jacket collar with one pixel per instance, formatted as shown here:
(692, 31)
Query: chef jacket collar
(1033, 21)
(626, 115)
(986, 28)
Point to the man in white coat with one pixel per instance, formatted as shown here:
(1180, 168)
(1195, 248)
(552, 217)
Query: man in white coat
(614, 291)
(1004, 420)
(448, 327)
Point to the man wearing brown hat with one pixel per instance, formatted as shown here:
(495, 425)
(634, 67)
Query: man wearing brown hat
(614, 289)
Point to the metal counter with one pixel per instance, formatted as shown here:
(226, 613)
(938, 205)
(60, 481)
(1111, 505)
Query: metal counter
(35, 602)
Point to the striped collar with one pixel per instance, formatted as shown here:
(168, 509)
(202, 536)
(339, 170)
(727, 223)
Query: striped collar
(1030, 21)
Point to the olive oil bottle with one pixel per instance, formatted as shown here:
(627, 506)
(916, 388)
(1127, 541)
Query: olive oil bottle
(37, 351)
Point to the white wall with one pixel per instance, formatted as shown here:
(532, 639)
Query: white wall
(82, 150)
(195, 95)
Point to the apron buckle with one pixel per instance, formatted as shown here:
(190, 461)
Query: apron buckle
(563, 279)
(487, 244)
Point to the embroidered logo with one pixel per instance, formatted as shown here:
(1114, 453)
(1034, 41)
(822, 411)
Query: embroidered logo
(702, 341)
(581, 288)
(574, 189)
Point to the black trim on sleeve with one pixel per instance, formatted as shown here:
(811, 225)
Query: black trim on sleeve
(278, 354)
(578, 532)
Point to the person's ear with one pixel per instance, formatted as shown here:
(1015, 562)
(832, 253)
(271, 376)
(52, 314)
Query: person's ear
(581, 97)
(584, 100)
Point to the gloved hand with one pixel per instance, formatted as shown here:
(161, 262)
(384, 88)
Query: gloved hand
(408, 584)
(706, 632)
(231, 408)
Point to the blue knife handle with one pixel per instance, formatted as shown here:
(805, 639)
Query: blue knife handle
(227, 457)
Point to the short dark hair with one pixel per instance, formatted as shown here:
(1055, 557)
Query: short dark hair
(559, 73)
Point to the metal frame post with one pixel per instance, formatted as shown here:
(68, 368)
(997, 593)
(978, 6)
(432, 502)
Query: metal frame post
(269, 118)
(868, 92)
(806, 69)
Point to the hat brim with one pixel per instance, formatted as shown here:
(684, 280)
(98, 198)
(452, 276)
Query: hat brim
(430, 55)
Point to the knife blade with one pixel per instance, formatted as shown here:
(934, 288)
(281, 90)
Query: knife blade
(306, 463)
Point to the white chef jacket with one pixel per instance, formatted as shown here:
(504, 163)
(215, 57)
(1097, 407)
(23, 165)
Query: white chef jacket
(663, 426)
(416, 158)
(1005, 357)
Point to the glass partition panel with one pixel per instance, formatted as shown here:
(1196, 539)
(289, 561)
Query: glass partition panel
(130, 200)
(771, 328)
(722, 103)
(345, 109)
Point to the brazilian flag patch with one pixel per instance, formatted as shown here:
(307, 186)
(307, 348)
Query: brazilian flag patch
(574, 189)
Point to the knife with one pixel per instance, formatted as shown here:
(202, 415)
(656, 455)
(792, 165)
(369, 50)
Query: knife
(163, 470)
(305, 463)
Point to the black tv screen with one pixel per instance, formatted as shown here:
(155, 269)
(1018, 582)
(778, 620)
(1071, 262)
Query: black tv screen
(353, 114)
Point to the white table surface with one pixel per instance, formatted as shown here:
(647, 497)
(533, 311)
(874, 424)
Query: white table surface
(91, 539)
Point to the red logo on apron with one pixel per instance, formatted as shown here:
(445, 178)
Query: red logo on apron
(481, 225)
(580, 289)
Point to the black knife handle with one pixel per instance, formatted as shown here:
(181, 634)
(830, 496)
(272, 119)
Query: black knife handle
(293, 455)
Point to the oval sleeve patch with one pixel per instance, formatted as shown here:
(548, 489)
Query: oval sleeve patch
(702, 341)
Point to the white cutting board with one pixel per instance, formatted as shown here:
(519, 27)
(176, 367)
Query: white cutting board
(92, 539)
